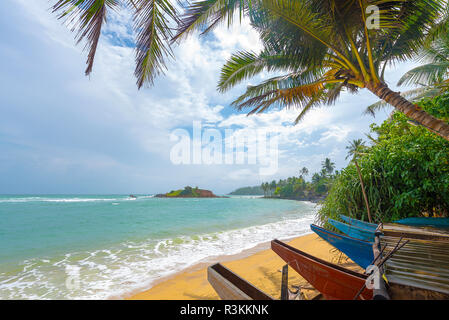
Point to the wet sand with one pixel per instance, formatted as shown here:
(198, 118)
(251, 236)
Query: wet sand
(260, 266)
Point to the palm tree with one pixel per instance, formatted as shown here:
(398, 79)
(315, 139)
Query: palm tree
(273, 186)
(304, 172)
(316, 177)
(323, 47)
(264, 189)
(328, 165)
(355, 150)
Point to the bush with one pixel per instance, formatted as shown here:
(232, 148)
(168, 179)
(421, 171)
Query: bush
(405, 172)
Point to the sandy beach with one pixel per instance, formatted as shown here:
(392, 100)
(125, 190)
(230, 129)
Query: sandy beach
(262, 269)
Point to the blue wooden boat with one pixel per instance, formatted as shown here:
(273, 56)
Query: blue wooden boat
(361, 252)
(353, 231)
(358, 223)
(425, 221)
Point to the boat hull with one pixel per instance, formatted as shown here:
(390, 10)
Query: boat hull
(334, 282)
(361, 252)
(353, 231)
(359, 223)
(230, 286)
(425, 221)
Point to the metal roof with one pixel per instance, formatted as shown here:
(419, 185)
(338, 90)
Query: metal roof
(420, 263)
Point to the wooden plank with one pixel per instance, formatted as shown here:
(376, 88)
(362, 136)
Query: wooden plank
(284, 284)
(409, 232)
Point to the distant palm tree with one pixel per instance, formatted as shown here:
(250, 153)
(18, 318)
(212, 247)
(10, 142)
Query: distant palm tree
(328, 165)
(323, 48)
(303, 172)
(355, 150)
(316, 178)
(273, 186)
(265, 187)
(323, 172)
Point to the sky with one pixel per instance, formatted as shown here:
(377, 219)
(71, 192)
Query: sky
(64, 133)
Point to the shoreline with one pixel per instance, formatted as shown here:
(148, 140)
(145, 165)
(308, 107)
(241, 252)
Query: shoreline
(258, 265)
(203, 264)
(312, 200)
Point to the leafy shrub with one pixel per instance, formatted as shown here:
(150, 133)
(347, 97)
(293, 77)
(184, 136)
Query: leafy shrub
(405, 172)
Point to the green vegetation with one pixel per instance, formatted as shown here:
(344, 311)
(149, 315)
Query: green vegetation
(405, 172)
(186, 192)
(174, 193)
(248, 191)
(298, 188)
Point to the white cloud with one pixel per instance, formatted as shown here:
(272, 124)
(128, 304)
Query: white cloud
(103, 128)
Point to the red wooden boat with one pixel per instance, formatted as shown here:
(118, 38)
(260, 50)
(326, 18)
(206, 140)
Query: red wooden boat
(334, 282)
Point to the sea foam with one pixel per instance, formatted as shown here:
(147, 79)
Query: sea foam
(131, 266)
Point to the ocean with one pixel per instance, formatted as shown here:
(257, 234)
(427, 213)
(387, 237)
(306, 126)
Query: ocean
(106, 246)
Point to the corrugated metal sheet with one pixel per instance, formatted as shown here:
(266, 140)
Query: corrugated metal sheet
(420, 263)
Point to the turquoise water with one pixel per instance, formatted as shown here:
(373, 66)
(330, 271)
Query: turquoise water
(98, 246)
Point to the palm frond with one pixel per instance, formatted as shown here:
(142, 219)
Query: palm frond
(300, 15)
(315, 101)
(441, 28)
(288, 91)
(415, 18)
(427, 74)
(206, 14)
(86, 17)
(243, 65)
(151, 21)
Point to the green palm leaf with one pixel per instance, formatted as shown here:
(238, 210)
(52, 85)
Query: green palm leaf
(86, 17)
(243, 65)
(428, 74)
(206, 14)
(153, 39)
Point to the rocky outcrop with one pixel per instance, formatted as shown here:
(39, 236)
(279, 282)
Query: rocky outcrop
(188, 192)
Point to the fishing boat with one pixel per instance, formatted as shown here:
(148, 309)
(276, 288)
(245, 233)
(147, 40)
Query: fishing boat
(425, 221)
(361, 252)
(359, 223)
(395, 229)
(230, 286)
(353, 231)
(412, 274)
(333, 281)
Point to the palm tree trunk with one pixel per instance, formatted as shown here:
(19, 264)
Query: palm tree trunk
(411, 110)
(363, 191)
